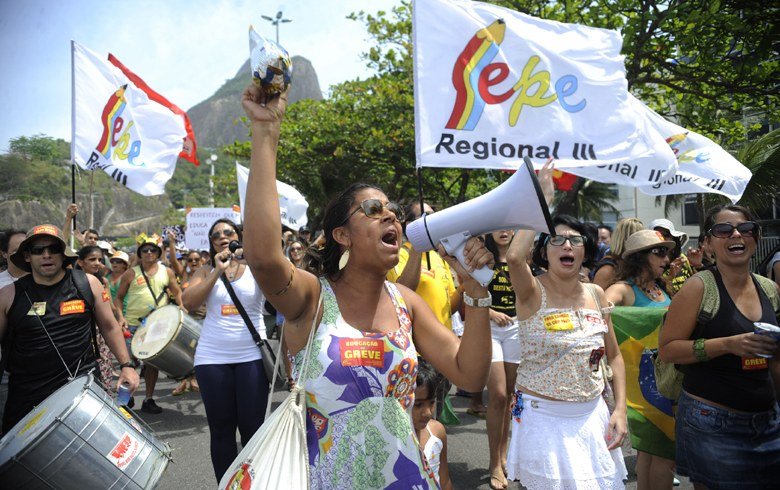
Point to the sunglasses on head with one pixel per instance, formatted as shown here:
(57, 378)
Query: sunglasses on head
(226, 233)
(559, 240)
(147, 250)
(54, 249)
(374, 208)
(725, 230)
(659, 251)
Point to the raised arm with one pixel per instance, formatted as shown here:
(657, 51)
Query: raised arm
(292, 291)
(523, 282)
(175, 264)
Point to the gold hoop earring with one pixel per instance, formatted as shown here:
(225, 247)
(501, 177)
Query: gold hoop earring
(344, 259)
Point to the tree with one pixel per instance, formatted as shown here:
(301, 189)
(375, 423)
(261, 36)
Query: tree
(40, 147)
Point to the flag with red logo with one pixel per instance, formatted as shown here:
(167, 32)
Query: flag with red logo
(123, 127)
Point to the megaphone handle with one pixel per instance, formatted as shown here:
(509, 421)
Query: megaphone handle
(454, 245)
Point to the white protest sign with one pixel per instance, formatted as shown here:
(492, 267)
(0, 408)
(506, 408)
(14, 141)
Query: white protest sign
(199, 220)
(292, 204)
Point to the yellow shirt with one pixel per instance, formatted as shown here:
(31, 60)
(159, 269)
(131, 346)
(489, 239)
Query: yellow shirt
(435, 286)
(139, 299)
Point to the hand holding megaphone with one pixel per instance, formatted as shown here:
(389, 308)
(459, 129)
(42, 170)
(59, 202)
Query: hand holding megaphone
(237, 249)
(476, 260)
(518, 203)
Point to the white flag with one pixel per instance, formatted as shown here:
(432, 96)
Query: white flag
(493, 85)
(123, 127)
(292, 204)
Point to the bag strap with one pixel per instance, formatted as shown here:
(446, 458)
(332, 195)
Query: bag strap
(710, 301)
(149, 285)
(247, 321)
(305, 364)
(85, 291)
(770, 289)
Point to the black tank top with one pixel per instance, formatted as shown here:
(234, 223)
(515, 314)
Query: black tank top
(500, 289)
(740, 383)
(35, 370)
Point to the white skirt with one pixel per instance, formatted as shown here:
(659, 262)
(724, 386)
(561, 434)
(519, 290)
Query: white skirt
(561, 445)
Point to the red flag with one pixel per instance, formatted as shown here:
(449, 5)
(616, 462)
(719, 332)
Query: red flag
(189, 150)
(563, 181)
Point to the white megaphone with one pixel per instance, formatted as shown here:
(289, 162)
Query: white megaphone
(516, 204)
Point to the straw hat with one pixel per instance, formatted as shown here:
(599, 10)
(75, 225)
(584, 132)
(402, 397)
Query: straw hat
(645, 240)
(38, 231)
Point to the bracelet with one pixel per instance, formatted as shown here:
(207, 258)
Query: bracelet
(478, 302)
(128, 364)
(699, 352)
(289, 283)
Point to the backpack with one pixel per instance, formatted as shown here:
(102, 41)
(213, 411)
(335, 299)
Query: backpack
(668, 377)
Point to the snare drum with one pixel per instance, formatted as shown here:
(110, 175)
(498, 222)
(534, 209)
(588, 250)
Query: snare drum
(167, 341)
(78, 438)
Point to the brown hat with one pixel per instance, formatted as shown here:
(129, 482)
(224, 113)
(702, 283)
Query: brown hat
(645, 240)
(38, 231)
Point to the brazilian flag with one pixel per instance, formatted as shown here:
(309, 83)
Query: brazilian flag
(650, 416)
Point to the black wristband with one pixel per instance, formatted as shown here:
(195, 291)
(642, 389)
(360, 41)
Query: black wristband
(128, 364)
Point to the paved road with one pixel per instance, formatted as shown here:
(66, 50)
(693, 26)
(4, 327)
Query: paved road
(183, 426)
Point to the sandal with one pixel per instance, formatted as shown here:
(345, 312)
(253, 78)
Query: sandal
(181, 389)
(194, 386)
(476, 413)
(497, 475)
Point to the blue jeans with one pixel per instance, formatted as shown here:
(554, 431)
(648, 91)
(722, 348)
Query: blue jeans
(720, 448)
(235, 397)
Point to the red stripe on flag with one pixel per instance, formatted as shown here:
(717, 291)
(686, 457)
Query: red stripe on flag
(189, 151)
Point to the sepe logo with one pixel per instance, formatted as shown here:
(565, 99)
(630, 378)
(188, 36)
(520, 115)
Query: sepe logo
(241, 479)
(116, 140)
(474, 73)
(685, 151)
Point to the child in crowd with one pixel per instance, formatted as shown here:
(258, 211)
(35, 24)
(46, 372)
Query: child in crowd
(431, 434)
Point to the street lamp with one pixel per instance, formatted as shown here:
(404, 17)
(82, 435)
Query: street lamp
(276, 22)
(212, 161)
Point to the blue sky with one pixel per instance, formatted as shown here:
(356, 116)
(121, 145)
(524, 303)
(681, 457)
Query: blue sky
(184, 49)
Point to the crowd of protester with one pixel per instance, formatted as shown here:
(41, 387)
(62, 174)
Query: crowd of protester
(556, 379)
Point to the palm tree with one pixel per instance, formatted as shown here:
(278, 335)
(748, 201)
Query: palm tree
(586, 200)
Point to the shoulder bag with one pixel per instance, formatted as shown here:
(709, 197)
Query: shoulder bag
(277, 455)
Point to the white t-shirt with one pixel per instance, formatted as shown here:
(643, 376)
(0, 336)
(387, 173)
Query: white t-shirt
(225, 338)
(6, 278)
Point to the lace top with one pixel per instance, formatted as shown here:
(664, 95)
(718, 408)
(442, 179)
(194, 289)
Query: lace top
(560, 350)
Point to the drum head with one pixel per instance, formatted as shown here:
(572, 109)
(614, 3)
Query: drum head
(158, 331)
(41, 417)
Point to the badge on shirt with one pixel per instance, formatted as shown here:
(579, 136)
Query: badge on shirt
(106, 296)
(72, 307)
(558, 321)
(362, 352)
(228, 310)
(753, 363)
(140, 280)
(38, 308)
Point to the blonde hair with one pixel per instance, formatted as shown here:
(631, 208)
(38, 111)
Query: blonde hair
(624, 229)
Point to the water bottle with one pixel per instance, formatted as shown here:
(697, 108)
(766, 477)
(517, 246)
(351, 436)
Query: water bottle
(123, 395)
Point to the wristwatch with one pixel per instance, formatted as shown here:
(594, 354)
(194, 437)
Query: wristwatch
(478, 302)
(128, 364)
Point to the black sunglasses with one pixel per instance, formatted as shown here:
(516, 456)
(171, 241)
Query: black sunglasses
(117, 261)
(54, 249)
(147, 250)
(559, 240)
(659, 251)
(725, 230)
(374, 208)
(226, 233)
(194, 259)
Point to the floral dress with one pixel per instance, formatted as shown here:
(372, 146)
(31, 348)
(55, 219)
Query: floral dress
(360, 392)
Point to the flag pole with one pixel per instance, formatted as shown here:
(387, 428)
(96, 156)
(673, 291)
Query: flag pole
(72, 137)
(422, 209)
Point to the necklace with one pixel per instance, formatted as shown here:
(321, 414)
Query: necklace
(232, 275)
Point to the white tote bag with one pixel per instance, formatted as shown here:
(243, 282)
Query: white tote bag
(277, 455)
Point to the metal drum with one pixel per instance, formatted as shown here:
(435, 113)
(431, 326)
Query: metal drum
(167, 341)
(79, 438)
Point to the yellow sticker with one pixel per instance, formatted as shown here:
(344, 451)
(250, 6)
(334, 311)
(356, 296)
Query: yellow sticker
(125, 413)
(38, 308)
(33, 421)
(558, 321)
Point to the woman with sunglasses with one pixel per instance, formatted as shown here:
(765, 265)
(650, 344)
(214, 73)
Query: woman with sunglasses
(363, 361)
(296, 252)
(90, 260)
(563, 435)
(728, 421)
(640, 283)
(228, 364)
